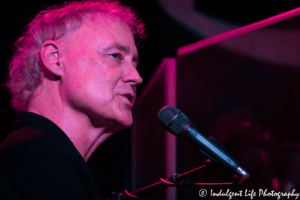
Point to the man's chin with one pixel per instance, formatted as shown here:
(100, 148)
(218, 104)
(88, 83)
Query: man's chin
(126, 119)
(122, 120)
(126, 123)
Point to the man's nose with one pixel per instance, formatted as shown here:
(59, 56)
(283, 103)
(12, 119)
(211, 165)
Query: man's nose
(132, 75)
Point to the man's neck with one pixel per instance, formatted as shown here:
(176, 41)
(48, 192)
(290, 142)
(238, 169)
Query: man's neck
(77, 126)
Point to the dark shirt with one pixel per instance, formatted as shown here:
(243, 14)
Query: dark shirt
(39, 161)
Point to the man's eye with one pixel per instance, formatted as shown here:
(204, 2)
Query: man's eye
(116, 56)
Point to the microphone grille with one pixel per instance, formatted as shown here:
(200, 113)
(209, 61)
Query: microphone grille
(166, 115)
(173, 119)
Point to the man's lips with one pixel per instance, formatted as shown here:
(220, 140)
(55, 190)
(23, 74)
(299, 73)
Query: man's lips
(130, 97)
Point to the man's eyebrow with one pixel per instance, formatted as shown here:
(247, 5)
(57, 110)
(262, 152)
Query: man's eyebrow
(125, 49)
(118, 46)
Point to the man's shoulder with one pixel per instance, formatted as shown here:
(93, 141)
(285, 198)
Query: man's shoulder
(36, 163)
(50, 176)
(27, 144)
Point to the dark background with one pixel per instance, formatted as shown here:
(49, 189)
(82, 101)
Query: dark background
(111, 162)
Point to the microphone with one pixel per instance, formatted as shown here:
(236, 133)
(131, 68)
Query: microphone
(177, 123)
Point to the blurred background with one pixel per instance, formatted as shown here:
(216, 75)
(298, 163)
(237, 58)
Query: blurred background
(244, 91)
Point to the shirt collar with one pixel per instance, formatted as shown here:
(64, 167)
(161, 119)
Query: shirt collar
(41, 123)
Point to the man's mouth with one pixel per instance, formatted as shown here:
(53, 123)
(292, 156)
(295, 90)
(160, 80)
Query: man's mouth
(130, 97)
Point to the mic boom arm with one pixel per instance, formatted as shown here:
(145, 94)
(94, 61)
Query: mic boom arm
(175, 180)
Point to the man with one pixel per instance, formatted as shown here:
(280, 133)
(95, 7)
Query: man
(73, 76)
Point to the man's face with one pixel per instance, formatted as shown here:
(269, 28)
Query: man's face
(100, 75)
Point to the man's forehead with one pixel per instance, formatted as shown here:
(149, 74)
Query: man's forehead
(106, 25)
(106, 33)
(111, 31)
(102, 28)
(101, 19)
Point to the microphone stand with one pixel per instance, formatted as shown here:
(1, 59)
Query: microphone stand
(175, 180)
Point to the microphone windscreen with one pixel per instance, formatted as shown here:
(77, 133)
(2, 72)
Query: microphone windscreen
(173, 120)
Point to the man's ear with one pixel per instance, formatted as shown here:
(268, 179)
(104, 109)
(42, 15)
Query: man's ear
(50, 55)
